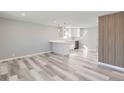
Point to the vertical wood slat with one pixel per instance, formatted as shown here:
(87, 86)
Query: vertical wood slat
(111, 39)
(119, 27)
(100, 48)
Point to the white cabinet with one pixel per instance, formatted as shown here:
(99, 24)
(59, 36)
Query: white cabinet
(60, 46)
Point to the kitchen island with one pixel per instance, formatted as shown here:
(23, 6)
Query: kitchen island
(60, 46)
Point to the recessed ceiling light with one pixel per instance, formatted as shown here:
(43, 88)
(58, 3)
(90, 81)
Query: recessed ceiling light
(54, 21)
(23, 14)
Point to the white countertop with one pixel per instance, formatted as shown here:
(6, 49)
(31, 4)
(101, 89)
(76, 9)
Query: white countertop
(58, 41)
(61, 41)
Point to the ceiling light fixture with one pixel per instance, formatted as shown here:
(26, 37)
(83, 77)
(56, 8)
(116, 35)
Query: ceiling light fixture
(23, 14)
(54, 21)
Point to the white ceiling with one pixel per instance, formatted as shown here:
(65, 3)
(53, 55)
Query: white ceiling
(82, 19)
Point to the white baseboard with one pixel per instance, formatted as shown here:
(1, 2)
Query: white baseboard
(112, 66)
(29, 55)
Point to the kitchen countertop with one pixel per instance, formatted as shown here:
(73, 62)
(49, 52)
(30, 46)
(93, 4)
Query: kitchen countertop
(61, 41)
(58, 41)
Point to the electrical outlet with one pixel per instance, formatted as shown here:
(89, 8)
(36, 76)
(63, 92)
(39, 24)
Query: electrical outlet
(13, 54)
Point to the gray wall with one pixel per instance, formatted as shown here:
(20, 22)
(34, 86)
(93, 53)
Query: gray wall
(90, 39)
(24, 38)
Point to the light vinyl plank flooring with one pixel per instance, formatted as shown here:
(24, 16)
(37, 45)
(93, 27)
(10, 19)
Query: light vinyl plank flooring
(54, 67)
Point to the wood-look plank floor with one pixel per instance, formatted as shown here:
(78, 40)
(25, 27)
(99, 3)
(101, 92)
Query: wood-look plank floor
(79, 66)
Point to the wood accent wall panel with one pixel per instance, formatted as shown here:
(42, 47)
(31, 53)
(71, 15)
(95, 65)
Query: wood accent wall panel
(119, 27)
(100, 38)
(111, 39)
